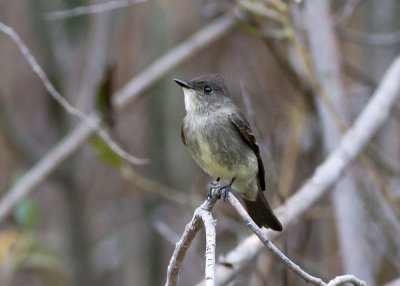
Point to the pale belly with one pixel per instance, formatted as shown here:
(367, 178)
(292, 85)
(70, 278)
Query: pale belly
(210, 164)
(245, 173)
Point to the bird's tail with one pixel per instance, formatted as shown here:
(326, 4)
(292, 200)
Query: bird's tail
(260, 211)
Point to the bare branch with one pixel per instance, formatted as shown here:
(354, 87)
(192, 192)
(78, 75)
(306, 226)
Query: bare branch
(267, 243)
(89, 121)
(346, 279)
(260, 9)
(371, 39)
(395, 282)
(129, 94)
(165, 230)
(181, 248)
(43, 168)
(346, 11)
(209, 226)
(151, 186)
(351, 144)
(293, 266)
(90, 9)
(201, 215)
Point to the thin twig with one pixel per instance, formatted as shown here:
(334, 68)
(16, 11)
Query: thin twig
(254, 228)
(132, 91)
(346, 12)
(290, 34)
(202, 216)
(90, 9)
(155, 187)
(89, 121)
(260, 9)
(351, 144)
(129, 94)
(165, 230)
(294, 78)
(371, 39)
(43, 168)
(290, 264)
(395, 282)
(181, 248)
(345, 279)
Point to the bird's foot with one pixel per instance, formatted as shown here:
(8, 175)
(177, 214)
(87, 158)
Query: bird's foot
(214, 185)
(220, 191)
(224, 190)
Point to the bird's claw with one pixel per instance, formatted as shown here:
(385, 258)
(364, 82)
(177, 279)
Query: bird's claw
(223, 192)
(214, 185)
(220, 191)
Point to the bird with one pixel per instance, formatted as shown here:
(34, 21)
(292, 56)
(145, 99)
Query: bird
(220, 140)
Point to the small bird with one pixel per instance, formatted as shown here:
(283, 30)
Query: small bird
(219, 138)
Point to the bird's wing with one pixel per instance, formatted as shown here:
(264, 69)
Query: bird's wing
(183, 136)
(241, 124)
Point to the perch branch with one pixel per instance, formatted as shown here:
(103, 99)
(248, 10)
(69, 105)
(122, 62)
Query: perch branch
(202, 216)
(129, 94)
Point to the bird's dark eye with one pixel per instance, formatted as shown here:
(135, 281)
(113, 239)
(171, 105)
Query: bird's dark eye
(207, 89)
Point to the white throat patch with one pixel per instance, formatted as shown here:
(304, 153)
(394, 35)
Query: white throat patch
(190, 97)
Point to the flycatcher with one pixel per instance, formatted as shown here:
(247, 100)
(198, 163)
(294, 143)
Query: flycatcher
(220, 140)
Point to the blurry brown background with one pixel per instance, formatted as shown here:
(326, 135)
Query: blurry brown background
(87, 224)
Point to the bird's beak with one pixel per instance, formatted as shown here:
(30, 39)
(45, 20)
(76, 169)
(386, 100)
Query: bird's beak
(182, 83)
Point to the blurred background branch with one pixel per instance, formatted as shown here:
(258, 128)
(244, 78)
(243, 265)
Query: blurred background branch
(63, 102)
(128, 94)
(91, 9)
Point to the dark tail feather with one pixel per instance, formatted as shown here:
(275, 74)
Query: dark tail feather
(262, 214)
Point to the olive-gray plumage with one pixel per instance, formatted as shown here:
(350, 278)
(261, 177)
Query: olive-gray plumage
(220, 140)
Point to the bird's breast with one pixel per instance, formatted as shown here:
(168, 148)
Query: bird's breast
(210, 162)
(217, 147)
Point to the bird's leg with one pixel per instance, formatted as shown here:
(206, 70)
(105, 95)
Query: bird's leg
(214, 185)
(224, 190)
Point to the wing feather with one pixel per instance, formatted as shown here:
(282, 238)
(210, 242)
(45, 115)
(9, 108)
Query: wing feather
(240, 123)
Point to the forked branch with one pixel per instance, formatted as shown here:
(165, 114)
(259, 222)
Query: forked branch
(202, 216)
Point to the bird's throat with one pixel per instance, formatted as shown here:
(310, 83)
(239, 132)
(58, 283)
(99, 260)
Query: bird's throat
(191, 104)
